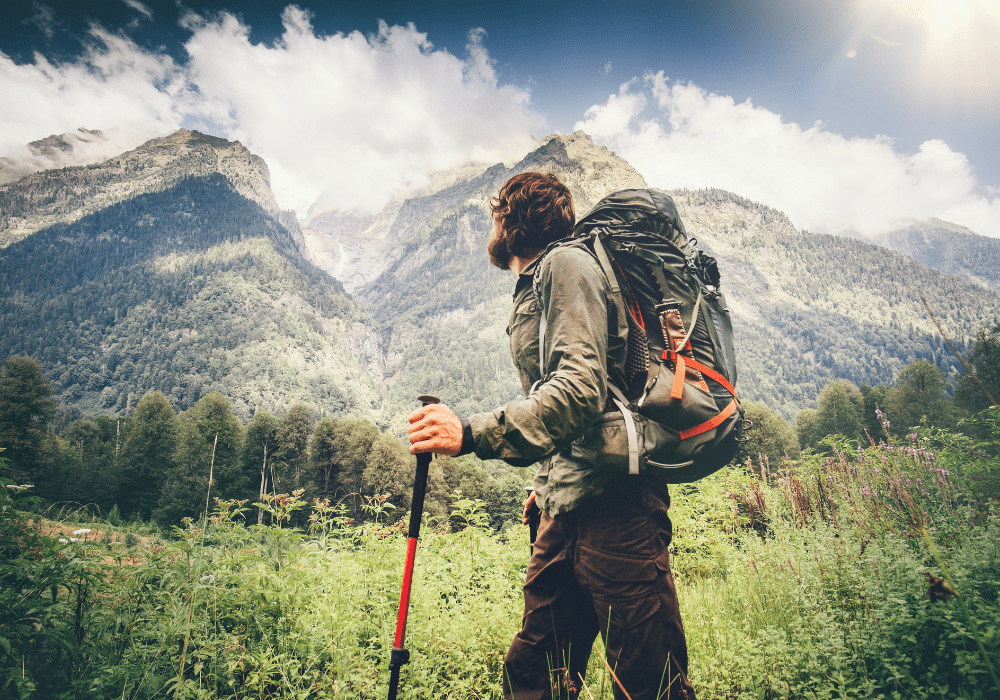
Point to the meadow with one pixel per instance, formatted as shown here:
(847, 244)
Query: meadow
(852, 572)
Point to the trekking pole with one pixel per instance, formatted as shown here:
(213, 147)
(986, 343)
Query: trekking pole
(401, 655)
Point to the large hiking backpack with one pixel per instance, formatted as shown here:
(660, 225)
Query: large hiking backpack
(678, 415)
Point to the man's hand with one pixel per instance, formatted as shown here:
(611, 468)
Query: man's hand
(529, 505)
(435, 428)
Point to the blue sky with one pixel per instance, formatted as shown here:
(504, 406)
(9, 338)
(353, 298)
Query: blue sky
(849, 115)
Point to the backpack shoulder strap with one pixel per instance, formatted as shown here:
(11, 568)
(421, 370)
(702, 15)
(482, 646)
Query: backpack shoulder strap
(601, 254)
(617, 396)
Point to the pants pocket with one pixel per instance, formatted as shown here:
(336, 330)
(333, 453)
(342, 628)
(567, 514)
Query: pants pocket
(623, 587)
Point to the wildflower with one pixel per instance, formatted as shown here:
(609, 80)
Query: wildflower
(913, 437)
(84, 531)
(74, 539)
(878, 414)
(64, 540)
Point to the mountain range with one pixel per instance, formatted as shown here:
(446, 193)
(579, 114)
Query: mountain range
(172, 267)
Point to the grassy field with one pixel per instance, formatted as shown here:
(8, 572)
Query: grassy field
(859, 573)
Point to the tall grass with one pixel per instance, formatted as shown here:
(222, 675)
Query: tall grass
(801, 580)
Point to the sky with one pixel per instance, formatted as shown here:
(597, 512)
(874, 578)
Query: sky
(848, 115)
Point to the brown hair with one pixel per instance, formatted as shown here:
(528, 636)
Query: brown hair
(531, 210)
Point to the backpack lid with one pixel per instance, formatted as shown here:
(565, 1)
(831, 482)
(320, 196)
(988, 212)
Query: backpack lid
(643, 212)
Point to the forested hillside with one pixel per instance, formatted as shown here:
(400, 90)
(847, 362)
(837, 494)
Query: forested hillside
(190, 290)
(811, 308)
(949, 248)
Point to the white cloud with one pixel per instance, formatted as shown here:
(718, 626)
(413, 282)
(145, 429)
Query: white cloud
(139, 7)
(114, 86)
(823, 181)
(356, 118)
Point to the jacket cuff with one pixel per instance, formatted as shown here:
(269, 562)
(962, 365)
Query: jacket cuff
(468, 444)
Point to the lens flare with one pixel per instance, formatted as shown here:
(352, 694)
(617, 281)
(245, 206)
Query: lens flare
(952, 47)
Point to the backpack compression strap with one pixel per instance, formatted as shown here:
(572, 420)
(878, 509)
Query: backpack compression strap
(677, 390)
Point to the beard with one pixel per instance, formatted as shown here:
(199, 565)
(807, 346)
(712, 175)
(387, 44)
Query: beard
(497, 249)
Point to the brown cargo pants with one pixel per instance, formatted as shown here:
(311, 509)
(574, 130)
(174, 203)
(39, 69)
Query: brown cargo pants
(602, 567)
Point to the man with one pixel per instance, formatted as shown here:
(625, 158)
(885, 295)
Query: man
(600, 561)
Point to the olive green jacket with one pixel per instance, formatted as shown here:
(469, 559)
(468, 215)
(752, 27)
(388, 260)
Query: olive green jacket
(550, 423)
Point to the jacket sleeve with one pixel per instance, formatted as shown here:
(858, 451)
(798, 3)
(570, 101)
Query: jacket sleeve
(573, 390)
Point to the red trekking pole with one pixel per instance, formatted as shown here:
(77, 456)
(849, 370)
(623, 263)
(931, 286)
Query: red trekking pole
(400, 654)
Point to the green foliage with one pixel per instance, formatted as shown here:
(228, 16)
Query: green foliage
(26, 409)
(260, 443)
(985, 361)
(148, 454)
(389, 471)
(771, 436)
(340, 448)
(209, 442)
(90, 471)
(876, 399)
(839, 413)
(813, 579)
(291, 456)
(918, 398)
(47, 597)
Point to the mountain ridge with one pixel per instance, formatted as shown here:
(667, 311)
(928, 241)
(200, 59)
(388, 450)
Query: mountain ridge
(419, 308)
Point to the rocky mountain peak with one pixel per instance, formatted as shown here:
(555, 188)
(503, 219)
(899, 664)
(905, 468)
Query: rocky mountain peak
(590, 171)
(160, 162)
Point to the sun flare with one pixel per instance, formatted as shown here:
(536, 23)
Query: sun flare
(953, 46)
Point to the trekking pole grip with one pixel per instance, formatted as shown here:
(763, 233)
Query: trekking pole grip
(420, 480)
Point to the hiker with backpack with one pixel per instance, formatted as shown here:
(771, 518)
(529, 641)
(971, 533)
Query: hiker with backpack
(624, 349)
